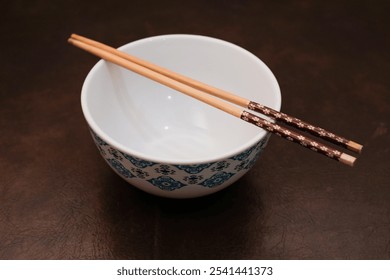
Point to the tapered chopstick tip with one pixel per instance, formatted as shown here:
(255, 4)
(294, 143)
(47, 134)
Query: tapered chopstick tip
(73, 37)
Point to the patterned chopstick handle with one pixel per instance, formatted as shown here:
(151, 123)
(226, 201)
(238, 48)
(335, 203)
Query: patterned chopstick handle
(292, 136)
(317, 131)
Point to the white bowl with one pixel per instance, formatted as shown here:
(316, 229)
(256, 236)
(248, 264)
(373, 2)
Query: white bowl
(169, 144)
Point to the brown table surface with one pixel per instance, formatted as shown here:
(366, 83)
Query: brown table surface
(59, 200)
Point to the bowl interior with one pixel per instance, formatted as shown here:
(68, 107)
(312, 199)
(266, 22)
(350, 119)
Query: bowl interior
(154, 122)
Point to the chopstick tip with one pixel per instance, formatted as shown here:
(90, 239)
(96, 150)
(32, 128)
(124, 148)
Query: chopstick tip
(73, 36)
(347, 159)
(353, 146)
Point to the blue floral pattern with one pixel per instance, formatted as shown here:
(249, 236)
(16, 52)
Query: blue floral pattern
(140, 173)
(138, 162)
(219, 166)
(193, 179)
(243, 165)
(97, 139)
(169, 177)
(165, 169)
(120, 168)
(115, 153)
(166, 183)
(193, 169)
(217, 179)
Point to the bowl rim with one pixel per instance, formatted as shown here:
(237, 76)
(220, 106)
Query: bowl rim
(110, 141)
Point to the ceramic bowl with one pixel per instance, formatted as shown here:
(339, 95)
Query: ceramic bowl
(164, 142)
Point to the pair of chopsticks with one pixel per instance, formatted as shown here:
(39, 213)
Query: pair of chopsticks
(208, 94)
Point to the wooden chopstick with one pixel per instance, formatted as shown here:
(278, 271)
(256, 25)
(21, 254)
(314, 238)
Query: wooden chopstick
(243, 102)
(106, 53)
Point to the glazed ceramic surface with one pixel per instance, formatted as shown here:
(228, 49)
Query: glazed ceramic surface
(164, 142)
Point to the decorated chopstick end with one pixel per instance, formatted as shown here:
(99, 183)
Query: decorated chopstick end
(347, 159)
(353, 146)
(298, 138)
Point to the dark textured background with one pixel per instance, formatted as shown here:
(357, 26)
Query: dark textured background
(59, 200)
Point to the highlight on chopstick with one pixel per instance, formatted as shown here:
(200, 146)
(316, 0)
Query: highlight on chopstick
(212, 96)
